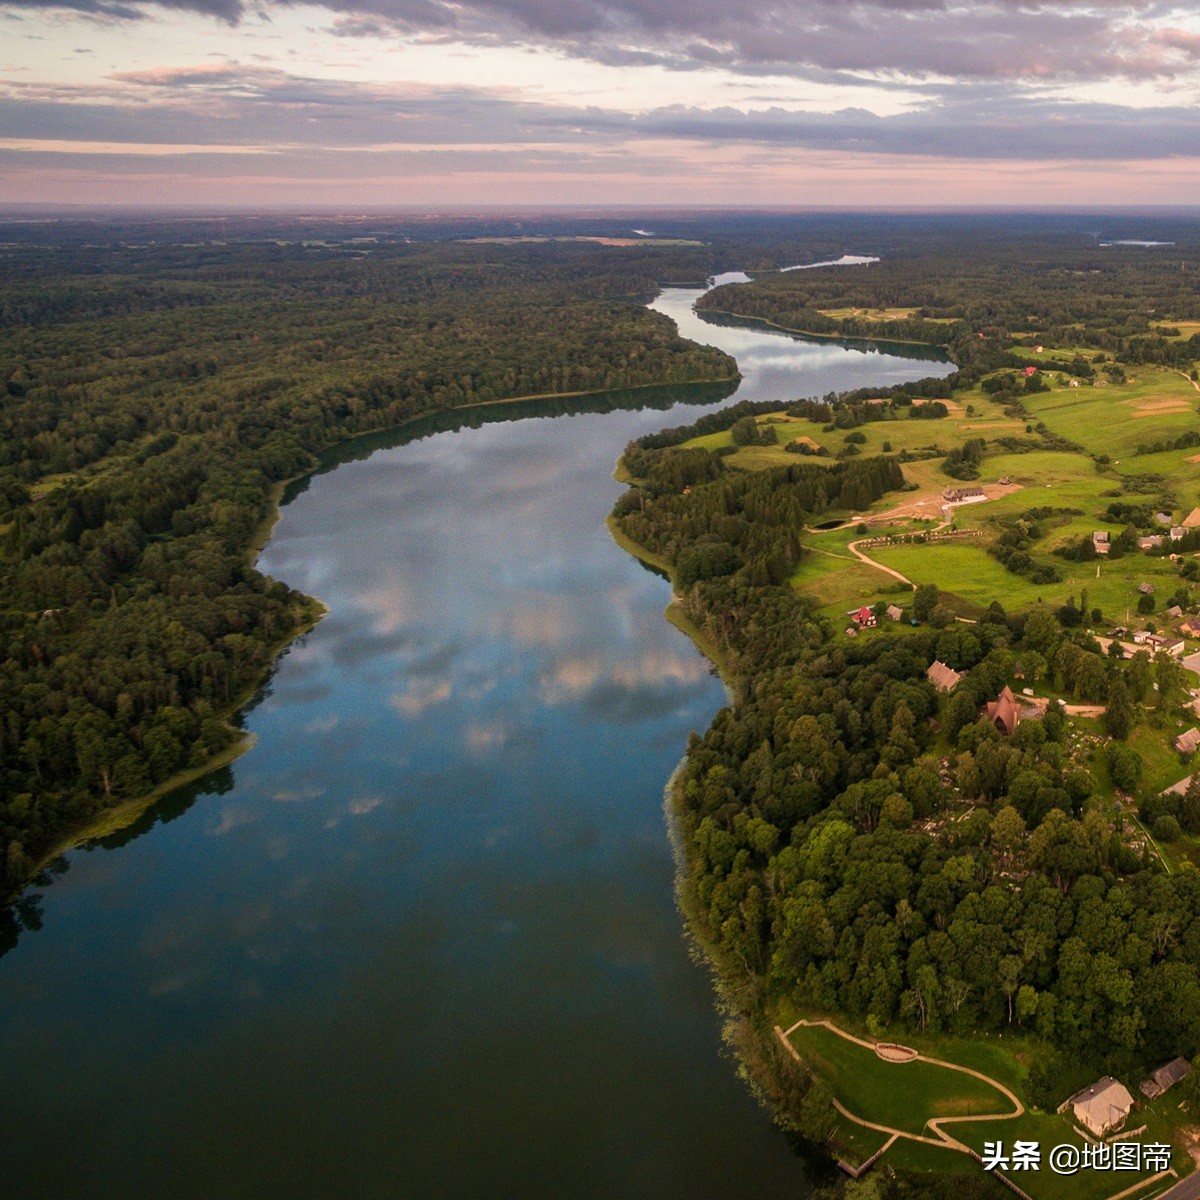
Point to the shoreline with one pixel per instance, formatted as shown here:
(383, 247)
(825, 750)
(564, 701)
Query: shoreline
(827, 337)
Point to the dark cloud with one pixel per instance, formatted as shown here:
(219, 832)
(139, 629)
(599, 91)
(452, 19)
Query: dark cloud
(301, 118)
(924, 38)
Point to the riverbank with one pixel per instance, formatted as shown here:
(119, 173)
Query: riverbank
(846, 339)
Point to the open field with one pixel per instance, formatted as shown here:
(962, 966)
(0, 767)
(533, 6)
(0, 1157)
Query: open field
(1157, 404)
(906, 1097)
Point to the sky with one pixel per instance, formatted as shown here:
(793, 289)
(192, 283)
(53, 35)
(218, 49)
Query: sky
(832, 103)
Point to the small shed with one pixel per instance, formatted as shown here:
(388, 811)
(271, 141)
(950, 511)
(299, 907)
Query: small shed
(1146, 589)
(1165, 1078)
(894, 612)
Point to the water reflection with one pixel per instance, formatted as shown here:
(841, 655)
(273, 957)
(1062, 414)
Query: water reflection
(421, 940)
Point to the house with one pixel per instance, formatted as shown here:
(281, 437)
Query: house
(1153, 542)
(1004, 712)
(1100, 541)
(1177, 532)
(1191, 628)
(1165, 1078)
(1027, 371)
(1037, 349)
(1103, 1106)
(863, 617)
(1072, 383)
(962, 495)
(1146, 589)
(944, 678)
(1163, 518)
(1174, 611)
(894, 612)
(1192, 520)
(1161, 644)
(1187, 742)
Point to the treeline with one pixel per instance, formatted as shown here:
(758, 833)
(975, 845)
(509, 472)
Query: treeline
(151, 400)
(1065, 288)
(738, 524)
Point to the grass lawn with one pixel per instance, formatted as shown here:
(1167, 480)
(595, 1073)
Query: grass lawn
(1158, 404)
(900, 1095)
(967, 570)
(1051, 1130)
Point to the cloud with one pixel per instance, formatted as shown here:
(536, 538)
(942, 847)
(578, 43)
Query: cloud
(420, 695)
(329, 126)
(996, 39)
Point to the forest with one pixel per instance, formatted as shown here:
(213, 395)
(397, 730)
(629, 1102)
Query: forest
(840, 859)
(153, 398)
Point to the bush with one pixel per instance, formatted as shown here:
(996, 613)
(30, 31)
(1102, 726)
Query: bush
(1167, 829)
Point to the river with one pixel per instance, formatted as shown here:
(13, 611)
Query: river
(421, 940)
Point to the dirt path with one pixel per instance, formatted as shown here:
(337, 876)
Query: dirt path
(853, 548)
(1185, 375)
(948, 1141)
(934, 1124)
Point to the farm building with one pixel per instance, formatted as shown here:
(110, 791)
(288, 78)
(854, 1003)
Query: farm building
(894, 612)
(1192, 520)
(1174, 611)
(1159, 644)
(1187, 742)
(962, 494)
(1100, 541)
(1103, 1106)
(1165, 1078)
(944, 678)
(1152, 542)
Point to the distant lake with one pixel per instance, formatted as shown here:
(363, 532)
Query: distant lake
(421, 941)
(847, 260)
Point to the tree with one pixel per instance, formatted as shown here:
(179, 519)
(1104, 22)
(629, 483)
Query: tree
(925, 600)
(1120, 713)
(1008, 832)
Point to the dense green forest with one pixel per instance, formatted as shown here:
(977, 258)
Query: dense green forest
(152, 399)
(943, 288)
(857, 843)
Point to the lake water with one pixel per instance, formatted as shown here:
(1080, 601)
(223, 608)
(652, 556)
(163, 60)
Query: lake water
(421, 940)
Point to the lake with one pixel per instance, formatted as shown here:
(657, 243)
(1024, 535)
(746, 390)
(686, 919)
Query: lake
(421, 940)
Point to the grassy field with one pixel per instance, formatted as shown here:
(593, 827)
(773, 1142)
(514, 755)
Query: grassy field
(967, 570)
(905, 1096)
(1156, 404)
(902, 1096)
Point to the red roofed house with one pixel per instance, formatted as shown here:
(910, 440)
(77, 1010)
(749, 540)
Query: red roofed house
(1029, 371)
(1004, 712)
(864, 618)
